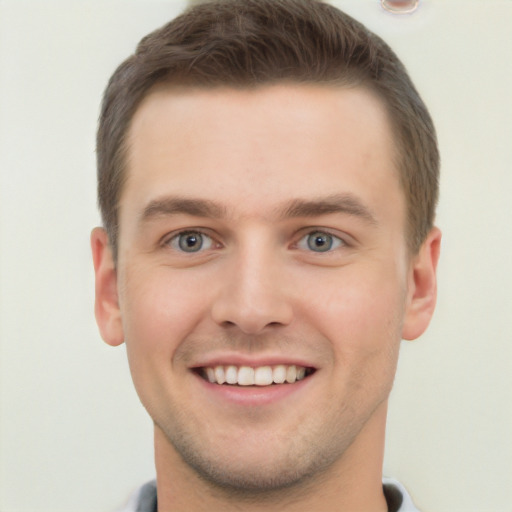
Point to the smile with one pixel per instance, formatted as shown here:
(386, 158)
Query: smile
(259, 376)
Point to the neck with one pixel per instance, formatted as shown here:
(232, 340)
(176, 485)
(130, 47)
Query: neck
(353, 483)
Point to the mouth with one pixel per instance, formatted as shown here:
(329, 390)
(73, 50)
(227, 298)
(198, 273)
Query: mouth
(231, 375)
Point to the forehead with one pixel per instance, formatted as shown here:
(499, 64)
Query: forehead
(252, 149)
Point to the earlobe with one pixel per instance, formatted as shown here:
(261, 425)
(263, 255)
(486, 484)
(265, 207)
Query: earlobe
(106, 308)
(422, 293)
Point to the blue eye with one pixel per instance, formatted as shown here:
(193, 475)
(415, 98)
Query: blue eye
(190, 241)
(320, 241)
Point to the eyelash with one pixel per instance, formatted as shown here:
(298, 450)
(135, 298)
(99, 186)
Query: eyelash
(334, 242)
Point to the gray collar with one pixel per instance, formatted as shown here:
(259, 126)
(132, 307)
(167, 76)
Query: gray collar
(396, 497)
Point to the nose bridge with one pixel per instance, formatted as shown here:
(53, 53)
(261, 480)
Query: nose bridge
(252, 296)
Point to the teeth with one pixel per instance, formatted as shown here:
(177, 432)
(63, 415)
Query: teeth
(231, 375)
(291, 374)
(210, 374)
(220, 376)
(246, 376)
(263, 376)
(260, 376)
(279, 374)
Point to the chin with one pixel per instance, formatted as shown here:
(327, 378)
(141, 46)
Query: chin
(242, 479)
(260, 469)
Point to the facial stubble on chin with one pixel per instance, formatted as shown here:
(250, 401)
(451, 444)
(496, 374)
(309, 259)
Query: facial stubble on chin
(252, 481)
(305, 463)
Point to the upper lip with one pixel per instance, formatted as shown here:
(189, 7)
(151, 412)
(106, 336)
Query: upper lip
(251, 361)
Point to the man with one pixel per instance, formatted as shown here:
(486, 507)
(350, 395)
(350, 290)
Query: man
(267, 181)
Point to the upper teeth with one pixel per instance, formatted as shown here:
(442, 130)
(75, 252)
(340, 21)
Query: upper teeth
(260, 376)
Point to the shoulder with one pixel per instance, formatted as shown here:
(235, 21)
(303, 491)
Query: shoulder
(397, 496)
(142, 500)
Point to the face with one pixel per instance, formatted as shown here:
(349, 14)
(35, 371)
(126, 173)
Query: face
(261, 243)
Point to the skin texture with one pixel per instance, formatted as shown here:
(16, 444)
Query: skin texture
(255, 172)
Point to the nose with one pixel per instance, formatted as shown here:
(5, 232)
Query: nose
(253, 295)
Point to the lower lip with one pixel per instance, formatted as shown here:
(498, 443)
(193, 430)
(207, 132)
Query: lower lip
(252, 395)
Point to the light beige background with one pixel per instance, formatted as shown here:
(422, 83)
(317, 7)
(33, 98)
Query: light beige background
(73, 437)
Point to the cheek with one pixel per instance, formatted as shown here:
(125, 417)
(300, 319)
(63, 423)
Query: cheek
(364, 329)
(159, 310)
(360, 312)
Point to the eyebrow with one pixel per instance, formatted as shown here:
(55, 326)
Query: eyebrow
(347, 204)
(176, 205)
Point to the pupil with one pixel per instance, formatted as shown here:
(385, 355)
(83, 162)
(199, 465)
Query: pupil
(191, 242)
(320, 242)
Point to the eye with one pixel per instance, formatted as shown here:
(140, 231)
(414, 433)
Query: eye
(190, 241)
(320, 241)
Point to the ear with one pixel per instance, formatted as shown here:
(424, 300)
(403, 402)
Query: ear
(422, 293)
(106, 307)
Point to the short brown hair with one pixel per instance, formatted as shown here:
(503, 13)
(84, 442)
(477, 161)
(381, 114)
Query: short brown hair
(248, 43)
